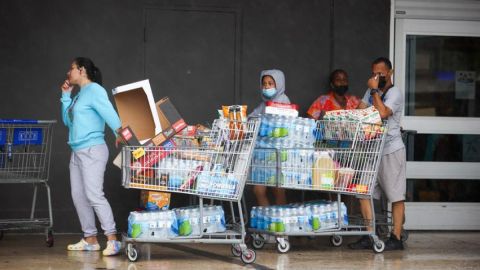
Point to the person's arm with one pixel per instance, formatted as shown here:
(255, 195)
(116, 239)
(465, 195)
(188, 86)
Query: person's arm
(384, 111)
(315, 111)
(66, 100)
(104, 108)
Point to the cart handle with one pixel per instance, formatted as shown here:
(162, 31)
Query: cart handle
(26, 121)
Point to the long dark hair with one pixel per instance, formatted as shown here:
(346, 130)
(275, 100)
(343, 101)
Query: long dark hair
(93, 72)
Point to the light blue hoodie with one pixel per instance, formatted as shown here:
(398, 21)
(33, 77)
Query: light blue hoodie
(90, 109)
(279, 96)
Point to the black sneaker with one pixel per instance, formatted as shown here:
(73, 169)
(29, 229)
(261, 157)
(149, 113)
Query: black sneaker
(393, 243)
(363, 243)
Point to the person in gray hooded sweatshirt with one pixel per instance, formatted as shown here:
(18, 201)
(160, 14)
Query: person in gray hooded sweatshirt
(272, 84)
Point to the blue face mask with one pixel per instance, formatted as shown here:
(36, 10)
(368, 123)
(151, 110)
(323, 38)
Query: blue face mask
(270, 92)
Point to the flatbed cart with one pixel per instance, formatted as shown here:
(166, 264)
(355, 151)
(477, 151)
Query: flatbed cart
(25, 150)
(355, 150)
(215, 169)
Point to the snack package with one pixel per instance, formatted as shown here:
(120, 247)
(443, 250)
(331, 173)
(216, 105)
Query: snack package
(237, 116)
(154, 200)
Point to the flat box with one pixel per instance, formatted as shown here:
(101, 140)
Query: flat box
(170, 120)
(169, 116)
(136, 108)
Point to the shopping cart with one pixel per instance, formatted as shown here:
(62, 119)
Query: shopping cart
(25, 148)
(214, 169)
(384, 220)
(343, 160)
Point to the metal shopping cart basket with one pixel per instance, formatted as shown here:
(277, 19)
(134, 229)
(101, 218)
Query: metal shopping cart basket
(25, 148)
(338, 157)
(215, 169)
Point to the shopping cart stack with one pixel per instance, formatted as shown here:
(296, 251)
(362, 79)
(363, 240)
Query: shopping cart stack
(214, 168)
(342, 158)
(25, 148)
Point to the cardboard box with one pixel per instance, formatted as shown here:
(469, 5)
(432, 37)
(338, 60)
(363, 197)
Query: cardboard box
(128, 136)
(170, 120)
(155, 200)
(169, 116)
(136, 108)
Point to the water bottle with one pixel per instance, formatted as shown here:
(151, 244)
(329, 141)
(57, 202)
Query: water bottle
(280, 226)
(260, 217)
(295, 220)
(263, 130)
(323, 217)
(273, 220)
(194, 221)
(329, 214)
(344, 214)
(253, 217)
(221, 226)
(315, 220)
(335, 214)
(287, 219)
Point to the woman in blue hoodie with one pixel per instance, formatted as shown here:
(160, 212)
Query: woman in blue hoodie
(272, 84)
(85, 116)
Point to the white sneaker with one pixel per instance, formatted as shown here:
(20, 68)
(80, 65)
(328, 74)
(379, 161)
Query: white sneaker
(84, 246)
(113, 248)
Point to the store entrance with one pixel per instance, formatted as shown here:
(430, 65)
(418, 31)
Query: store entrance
(438, 68)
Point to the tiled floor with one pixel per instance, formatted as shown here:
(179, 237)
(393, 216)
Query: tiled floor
(425, 250)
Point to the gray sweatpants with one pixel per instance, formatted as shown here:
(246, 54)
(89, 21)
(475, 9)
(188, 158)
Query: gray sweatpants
(87, 168)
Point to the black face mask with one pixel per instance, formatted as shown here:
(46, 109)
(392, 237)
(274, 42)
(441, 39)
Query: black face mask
(340, 90)
(382, 81)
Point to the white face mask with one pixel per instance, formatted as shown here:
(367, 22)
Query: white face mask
(270, 92)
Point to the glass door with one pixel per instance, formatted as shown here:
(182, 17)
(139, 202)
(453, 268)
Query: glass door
(438, 68)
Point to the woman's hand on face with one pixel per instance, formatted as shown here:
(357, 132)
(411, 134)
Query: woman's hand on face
(66, 86)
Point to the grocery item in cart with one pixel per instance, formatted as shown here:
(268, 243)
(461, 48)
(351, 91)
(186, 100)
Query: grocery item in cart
(237, 116)
(344, 177)
(154, 200)
(369, 116)
(155, 224)
(153, 156)
(287, 109)
(323, 173)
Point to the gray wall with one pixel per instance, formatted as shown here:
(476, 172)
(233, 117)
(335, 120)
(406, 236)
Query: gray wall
(220, 46)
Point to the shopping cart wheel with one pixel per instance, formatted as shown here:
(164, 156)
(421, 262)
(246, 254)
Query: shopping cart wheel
(49, 241)
(236, 251)
(404, 235)
(258, 242)
(283, 247)
(248, 256)
(378, 246)
(132, 253)
(336, 240)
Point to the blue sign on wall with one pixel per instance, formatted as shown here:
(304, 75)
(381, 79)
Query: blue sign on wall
(22, 136)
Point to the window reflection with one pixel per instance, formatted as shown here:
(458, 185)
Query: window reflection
(446, 148)
(428, 190)
(443, 76)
